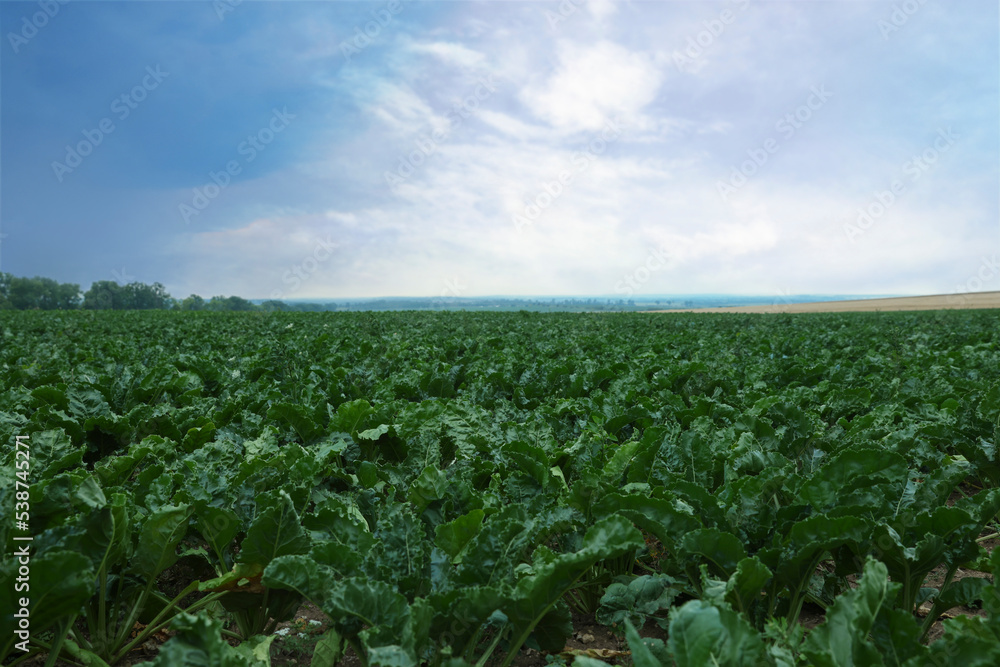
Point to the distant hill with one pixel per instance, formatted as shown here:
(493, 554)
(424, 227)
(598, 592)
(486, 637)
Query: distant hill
(596, 303)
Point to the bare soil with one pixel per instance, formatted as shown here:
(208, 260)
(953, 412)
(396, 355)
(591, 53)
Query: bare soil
(934, 302)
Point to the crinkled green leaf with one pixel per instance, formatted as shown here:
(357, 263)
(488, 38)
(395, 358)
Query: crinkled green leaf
(60, 583)
(352, 604)
(158, 540)
(722, 550)
(848, 470)
(537, 593)
(298, 417)
(640, 599)
(256, 649)
(702, 634)
(645, 652)
(328, 650)
(52, 452)
(452, 537)
(199, 643)
(218, 526)
(896, 634)
(274, 532)
(842, 639)
(665, 519)
(430, 485)
(744, 586)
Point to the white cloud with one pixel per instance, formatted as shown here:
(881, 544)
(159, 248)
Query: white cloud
(601, 9)
(451, 53)
(591, 84)
(513, 127)
(399, 107)
(655, 188)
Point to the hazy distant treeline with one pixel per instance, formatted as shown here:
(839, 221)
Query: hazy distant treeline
(17, 293)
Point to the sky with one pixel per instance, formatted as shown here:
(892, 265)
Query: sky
(302, 150)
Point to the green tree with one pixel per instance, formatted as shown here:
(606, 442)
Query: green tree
(40, 293)
(140, 296)
(193, 302)
(68, 296)
(274, 305)
(229, 303)
(25, 293)
(104, 295)
(109, 295)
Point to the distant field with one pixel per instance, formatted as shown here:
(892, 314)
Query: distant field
(936, 302)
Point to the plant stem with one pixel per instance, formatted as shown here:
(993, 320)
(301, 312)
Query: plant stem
(78, 637)
(117, 604)
(795, 606)
(359, 650)
(157, 624)
(133, 614)
(26, 656)
(931, 616)
(102, 616)
(60, 637)
(489, 650)
(470, 646)
(646, 567)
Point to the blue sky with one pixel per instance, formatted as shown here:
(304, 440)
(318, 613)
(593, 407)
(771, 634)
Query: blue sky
(450, 147)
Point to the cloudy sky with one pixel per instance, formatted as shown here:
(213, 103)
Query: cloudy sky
(408, 147)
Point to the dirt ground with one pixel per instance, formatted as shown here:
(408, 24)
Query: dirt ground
(936, 302)
(589, 639)
(294, 646)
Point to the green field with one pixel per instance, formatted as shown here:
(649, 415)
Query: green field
(457, 488)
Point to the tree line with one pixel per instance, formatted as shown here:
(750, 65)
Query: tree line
(17, 293)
